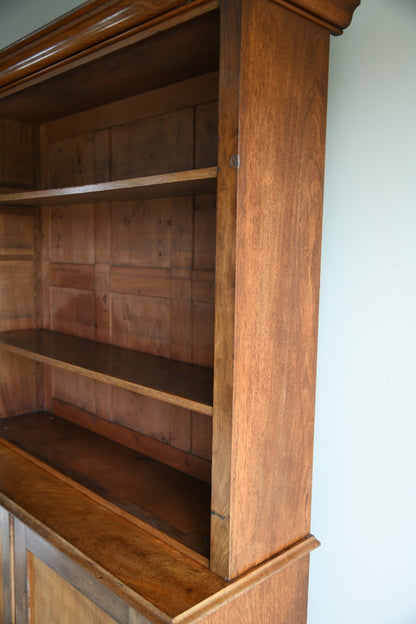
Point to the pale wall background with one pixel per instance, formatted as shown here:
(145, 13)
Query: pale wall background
(364, 499)
(364, 496)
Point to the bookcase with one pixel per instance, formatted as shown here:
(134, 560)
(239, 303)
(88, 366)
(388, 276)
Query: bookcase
(161, 174)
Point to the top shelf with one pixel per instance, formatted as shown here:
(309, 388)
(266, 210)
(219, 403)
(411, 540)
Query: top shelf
(162, 185)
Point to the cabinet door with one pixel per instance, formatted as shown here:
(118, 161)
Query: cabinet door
(50, 587)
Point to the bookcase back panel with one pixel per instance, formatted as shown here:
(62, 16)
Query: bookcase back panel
(72, 234)
(138, 274)
(18, 387)
(155, 145)
(81, 159)
(19, 240)
(18, 154)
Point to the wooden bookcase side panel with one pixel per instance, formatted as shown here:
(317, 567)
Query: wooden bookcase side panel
(263, 428)
(281, 598)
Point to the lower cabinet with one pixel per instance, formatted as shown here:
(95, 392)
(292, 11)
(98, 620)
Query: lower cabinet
(41, 585)
(45, 580)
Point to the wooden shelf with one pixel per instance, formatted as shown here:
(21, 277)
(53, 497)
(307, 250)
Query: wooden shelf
(166, 502)
(161, 185)
(178, 383)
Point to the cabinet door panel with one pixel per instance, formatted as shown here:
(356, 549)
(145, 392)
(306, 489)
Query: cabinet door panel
(53, 599)
(51, 587)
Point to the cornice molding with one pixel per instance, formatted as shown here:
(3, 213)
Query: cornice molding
(335, 15)
(95, 24)
(86, 29)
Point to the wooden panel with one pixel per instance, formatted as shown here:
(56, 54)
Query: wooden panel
(141, 323)
(202, 435)
(204, 232)
(44, 266)
(278, 229)
(19, 568)
(203, 333)
(76, 276)
(203, 286)
(81, 159)
(136, 618)
(76, 575)
(72, 234)
(152, 418)
(16, 233)
(52, 599)
(142, 232)
(17, 384)
(228, 131)
(7, 594)
(74, 388)
(73, 312)
(181, 311)
(19, 145)
(19, 302)
(102, 303)
(206, 134)
(155, 145)
(18, 306)
(102, 228)
(181, 460)
(17, 295)
(6, 598)
(169, 98)
(141, 281)
(281, 599)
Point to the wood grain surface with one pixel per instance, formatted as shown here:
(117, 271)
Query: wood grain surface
(176, 382)
(164, 185)
(168, 51)
(267, 297)
(166, 500)
(333, 15)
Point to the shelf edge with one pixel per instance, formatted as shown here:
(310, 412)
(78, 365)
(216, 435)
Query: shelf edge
(108, 191)
(161, 395)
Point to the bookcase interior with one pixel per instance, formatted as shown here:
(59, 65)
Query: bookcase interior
(107, 235)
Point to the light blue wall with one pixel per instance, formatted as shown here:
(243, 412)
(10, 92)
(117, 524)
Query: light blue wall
(364, 498)
(20, 17)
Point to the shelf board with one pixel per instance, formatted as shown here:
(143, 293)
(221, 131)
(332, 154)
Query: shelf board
(162, 185)
(179, 383)
(168, 503)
